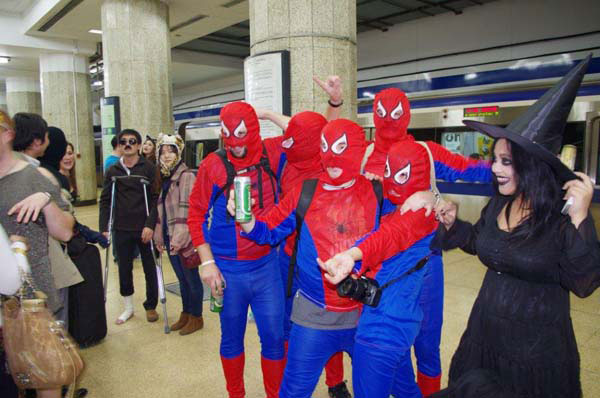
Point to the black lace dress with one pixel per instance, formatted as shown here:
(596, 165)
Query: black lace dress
(519, 340)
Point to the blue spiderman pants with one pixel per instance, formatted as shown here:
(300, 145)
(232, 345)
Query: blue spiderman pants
(334, 369)
(378, 372)
(256, 284)
(427, 343)
(309, 350)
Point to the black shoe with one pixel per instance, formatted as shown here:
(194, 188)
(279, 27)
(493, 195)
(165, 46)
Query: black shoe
(79, 393)
(339, 391)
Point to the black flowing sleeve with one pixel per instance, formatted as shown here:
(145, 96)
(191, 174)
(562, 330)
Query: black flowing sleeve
(579, 265)
(462, 234)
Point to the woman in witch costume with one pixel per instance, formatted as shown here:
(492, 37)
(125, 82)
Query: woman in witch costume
(519, 340)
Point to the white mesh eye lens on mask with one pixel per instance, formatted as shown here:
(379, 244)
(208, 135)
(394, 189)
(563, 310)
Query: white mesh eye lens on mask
(397, 112)
(380, 110)
(240, 131)
(225, 130)
(340, 145)
(324, 146)
(402, 175)
(287, 144)
(387, 171)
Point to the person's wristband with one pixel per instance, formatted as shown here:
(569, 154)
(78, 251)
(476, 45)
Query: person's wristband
(207, 262)
(49, 199)
(331, 104)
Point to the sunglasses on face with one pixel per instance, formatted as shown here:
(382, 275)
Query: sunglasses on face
(131, 141)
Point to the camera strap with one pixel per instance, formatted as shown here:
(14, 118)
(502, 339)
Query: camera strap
(420, 264)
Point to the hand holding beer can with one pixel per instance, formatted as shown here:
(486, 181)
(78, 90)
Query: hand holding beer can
(243, 199)
(216, 303)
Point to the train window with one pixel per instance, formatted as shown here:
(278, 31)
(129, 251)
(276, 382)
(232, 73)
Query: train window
(197, 150)
(574, 135)
(457, 140)
(474, 144)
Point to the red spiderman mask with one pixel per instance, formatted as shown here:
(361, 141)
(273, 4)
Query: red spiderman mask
(407, 171)
(240, 129)
(301, 138)
(342, 150)
(391, 115)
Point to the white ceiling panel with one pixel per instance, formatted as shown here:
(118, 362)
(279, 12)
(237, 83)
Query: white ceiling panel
(15, 7)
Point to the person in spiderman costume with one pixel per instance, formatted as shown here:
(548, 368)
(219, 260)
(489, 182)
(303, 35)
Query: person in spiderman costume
(300, 161)
(391, 115)
(381, 362)
(247, 270)
(343, 209)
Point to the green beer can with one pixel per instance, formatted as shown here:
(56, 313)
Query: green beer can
(243, 199)
(216, 303)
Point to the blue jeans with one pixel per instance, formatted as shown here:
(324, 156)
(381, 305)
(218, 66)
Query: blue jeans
(190, 285)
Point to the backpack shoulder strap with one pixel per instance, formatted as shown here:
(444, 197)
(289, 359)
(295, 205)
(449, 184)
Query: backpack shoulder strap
(378, 190)
(222, 154)
(306, 195)
(280, 169)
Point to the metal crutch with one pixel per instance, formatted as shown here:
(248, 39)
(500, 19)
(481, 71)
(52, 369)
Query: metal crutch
(159, 273)
(110, 227)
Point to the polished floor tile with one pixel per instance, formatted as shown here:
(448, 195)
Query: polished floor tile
(138, 360)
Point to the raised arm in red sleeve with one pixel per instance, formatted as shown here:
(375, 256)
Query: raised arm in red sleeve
(397, 233)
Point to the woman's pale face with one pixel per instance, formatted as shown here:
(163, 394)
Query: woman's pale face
(148, 147)
(68, 161)
(503, 169)
(167, 155)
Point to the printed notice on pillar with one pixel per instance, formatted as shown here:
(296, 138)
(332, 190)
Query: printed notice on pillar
(266, 85)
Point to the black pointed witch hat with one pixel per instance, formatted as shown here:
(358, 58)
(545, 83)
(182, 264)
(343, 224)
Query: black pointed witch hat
(540, 129)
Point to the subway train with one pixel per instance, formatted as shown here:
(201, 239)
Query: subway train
(440, 99)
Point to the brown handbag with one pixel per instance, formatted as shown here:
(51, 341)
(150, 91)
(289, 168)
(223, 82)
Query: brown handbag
(189, 256)
(40, 353)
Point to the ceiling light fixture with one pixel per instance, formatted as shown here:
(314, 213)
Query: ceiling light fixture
(95, 31)
(4, 60)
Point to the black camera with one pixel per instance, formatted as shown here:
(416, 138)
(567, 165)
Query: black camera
(365, 290)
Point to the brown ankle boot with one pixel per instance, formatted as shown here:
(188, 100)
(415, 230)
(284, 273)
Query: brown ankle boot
(183, 320)
(194, 323)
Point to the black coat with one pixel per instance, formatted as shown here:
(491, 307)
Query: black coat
(130, 208)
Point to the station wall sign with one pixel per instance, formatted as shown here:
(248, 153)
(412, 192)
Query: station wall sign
(267, 86)
(482, 111)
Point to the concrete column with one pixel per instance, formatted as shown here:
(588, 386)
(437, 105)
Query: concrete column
(66, 101)
(321, 38)
(137, 63)
(23, 95)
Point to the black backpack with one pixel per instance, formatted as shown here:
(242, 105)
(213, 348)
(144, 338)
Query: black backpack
(308, 191)
(263, 164)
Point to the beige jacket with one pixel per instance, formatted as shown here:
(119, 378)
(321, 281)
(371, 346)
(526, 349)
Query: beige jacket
(64, 271)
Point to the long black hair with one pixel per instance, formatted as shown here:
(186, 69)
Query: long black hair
(540, 191)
